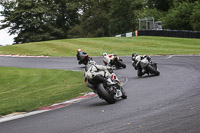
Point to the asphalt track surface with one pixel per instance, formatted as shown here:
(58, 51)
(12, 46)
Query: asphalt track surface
(169, 103)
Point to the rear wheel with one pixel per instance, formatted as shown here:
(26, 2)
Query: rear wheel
(86, 60)
(121, 64)
(153, 70)
(105, 95)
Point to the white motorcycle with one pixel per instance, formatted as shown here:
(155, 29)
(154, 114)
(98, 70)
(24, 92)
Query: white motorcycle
(115, 61)
(145, 65)
(108, 89)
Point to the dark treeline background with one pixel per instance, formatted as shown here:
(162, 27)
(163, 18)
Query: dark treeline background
(40, 20)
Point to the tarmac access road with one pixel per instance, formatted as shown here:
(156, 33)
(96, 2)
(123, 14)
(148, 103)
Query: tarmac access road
(169, 103)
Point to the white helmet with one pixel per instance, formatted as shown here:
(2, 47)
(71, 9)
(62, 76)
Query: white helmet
(105, 54)
(78, 50)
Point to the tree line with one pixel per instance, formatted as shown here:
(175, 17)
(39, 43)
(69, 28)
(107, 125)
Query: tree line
(41, 20)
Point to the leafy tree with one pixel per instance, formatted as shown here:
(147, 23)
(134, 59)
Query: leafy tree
(162, 5)
(65, 14)
(94, 18)
(179, 18)
(155, 13)
(38, 20)
(177, 2)
(195, 18)
(122, 16)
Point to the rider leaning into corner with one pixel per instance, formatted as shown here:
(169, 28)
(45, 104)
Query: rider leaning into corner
(96, 72)
(136, 63)
(107, 59)
(80, 55)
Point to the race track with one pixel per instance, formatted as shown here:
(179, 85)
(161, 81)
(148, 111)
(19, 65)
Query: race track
(169, 103)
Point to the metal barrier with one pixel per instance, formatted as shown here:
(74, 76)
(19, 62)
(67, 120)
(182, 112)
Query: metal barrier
(170, 33)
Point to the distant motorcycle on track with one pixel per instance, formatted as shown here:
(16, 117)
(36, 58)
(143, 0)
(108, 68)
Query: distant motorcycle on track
(113, 60)
(82, 57)
(144, 65)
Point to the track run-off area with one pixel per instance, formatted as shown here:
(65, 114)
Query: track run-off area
(168, 103)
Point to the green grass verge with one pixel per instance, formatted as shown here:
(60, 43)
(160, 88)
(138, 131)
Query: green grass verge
(23, 89)
(120, 46)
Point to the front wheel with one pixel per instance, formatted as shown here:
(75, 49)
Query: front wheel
(104, 94)
(124, 95)
(153, 70)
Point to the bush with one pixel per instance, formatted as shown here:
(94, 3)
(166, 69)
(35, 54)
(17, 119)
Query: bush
(185, 17)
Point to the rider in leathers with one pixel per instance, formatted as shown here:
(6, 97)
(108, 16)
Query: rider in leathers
(80, 55)
(136, 63)
(108, 59)
(96, 73)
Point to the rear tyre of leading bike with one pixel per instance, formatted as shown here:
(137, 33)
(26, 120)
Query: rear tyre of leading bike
(121, 64)
(124, 95)
(105, 95)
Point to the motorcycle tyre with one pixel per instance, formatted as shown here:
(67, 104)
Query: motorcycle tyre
(139, 72)
(105, 95)
(124, 94)
(121, 64)
(153, 70)
(85, 63)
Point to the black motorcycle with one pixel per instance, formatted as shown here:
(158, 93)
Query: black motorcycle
(146, 66)
(83, 58)
(107, 89)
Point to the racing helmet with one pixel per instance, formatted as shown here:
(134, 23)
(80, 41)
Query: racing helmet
(78, 50)
(105, 54)
(134, 54)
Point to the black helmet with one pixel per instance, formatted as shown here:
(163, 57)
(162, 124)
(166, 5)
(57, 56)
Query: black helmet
(134, 54)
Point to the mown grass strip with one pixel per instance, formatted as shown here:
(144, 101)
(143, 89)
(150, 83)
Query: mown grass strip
(23, 89)
(120, 46)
